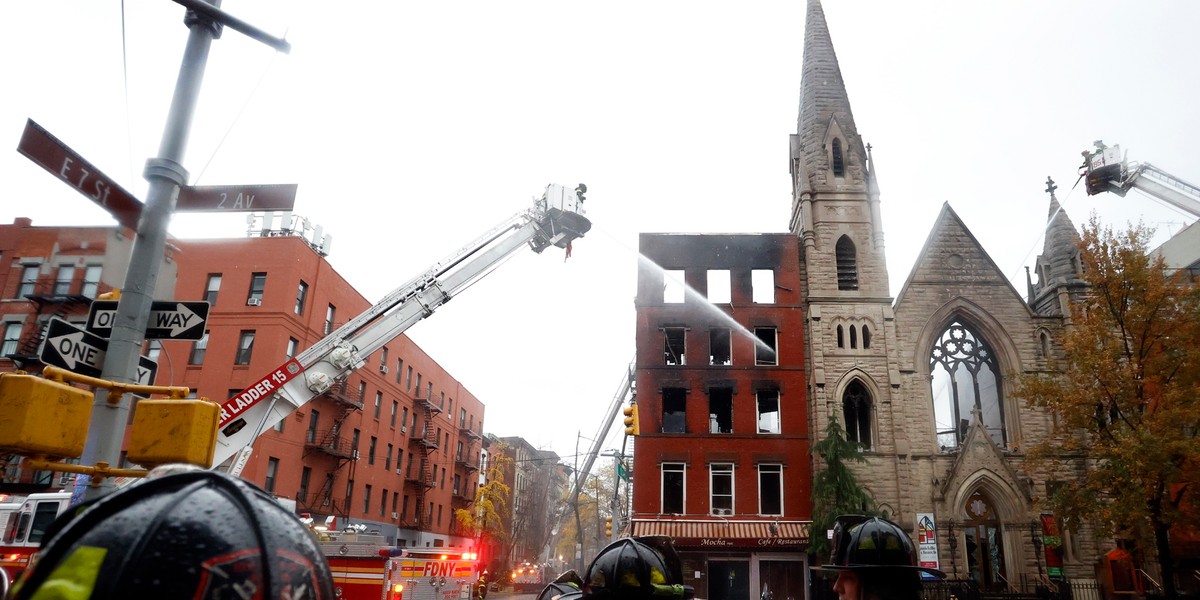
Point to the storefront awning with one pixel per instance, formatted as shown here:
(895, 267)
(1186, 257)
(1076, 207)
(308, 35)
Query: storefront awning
(763, 535)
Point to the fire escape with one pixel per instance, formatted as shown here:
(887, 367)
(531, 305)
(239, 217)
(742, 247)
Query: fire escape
(467, 463)
(338, 447)
(47, 303)
(425, 441)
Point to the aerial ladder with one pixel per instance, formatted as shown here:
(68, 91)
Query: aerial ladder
(1106, 170)
(556, 219)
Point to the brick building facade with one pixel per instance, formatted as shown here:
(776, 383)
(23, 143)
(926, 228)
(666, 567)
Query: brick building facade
(394, 447)
(722, 460)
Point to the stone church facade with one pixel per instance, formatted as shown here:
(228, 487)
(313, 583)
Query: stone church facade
(921, 381)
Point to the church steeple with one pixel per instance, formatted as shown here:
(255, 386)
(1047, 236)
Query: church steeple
(835, 203)
(1057, 268)
(827, 150)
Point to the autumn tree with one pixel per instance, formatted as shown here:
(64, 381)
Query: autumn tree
(1127, 402)
(483, 518)
(836, 490)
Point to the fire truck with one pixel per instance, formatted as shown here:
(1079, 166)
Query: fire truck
(26, 524)
(528, 578)
(365, 568)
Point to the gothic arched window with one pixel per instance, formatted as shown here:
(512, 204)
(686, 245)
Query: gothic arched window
(841, 339)
(853, 337)
(856, 406)
(965, 378)
(839, 165)
(847, 264)
(866, 337)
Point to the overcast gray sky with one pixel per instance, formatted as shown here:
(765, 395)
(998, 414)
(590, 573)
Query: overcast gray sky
(413, 127)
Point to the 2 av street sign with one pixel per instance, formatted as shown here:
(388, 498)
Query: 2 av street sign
(76, 350)
(169, 320)
(236, 198)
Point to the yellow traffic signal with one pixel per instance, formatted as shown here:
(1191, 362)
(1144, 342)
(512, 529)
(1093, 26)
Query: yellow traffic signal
(607, 526)
(631, 420)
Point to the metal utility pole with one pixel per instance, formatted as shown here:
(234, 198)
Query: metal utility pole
(166, 175)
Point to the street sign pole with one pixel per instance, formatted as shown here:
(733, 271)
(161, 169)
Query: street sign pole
(165, 174)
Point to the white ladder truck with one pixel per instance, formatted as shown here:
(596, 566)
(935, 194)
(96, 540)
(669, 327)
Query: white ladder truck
(1106, 170)
(556, 219)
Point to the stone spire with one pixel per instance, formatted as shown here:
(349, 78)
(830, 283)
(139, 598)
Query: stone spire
(1057, 267)
(825, 114)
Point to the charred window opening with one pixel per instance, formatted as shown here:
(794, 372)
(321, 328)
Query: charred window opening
(847, 264)
(856, 407)
(762, 286)
(765, 350)
(719, 290)
(674, 350)
(839, 164)
(673, 287)
(719, 349)
(672, 488)
(674, 417)
(720, 410)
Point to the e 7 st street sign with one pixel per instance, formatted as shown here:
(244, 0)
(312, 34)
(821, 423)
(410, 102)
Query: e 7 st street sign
(61, 161)
(76, 350)
(169, 320)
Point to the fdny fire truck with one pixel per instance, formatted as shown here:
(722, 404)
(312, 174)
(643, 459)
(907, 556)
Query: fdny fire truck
(25, 526)
(364, 567)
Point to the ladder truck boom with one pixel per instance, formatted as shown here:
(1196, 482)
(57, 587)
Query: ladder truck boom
(1106, 170)
(556, 219)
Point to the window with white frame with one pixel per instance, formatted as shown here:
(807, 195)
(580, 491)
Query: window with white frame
(770, 489)
(212, 288)
(29, 277)
(768, 411)
(199, 347)
(91, 281)
(766, 349)
(720, 479)
(245, 347)
(301, 295)
(673, 476)
(62, 281)
(12, 337)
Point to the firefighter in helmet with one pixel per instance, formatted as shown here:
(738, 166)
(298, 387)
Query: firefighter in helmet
(197, 534)
(638, 568)
(564, 587)
(874, 559)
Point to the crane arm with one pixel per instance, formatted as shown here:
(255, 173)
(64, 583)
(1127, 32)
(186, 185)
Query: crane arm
(556, 219)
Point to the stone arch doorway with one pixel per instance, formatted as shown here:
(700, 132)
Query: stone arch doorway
(983, 541)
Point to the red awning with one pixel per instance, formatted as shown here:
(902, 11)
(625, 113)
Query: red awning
(779, 535)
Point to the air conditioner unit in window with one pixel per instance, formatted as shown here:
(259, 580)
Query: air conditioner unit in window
(722, 512)
(395, 515)
(398, 470)
(254, 302)
(383, 369)
(356, 455)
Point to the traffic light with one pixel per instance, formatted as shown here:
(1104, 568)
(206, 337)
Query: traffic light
(607, 526)
(631, 420)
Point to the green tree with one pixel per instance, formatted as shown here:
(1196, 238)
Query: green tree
(1127, 402)
(483, 518)
(836, 490)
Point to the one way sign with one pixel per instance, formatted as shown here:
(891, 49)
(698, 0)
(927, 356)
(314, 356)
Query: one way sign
(169, 320)
(76, 350)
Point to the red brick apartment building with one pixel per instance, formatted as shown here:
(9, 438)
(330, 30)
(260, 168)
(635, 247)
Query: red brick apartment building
(722, 461)
(395, 446)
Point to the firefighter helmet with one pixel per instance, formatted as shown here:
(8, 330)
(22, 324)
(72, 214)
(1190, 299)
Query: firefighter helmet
(566, 586)
(872, 543)
(636, 568)
(198, 534)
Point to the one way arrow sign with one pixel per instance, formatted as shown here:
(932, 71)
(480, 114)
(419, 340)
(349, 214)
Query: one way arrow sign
(169, 320)
(76, 350)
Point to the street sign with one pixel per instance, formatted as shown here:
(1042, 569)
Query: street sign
(54, 156)
(236, 198)
(169, 320)
(76, 350)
